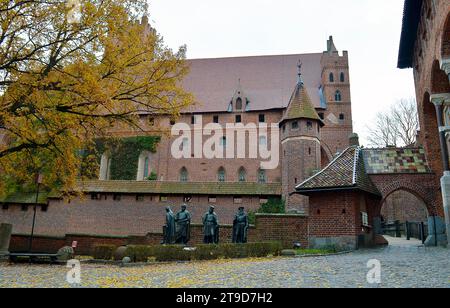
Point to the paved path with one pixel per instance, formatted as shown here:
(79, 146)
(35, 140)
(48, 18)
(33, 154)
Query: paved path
(401, 267)
(403, 242)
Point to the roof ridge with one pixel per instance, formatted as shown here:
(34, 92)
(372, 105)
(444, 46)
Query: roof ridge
(355, 165)
(326, 168)
(258, 56)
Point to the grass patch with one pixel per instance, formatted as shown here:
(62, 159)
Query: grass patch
(326, 251)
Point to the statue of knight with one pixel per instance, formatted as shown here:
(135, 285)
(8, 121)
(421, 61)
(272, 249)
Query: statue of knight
(210, 227)
(169, 228)
(183, 226)
(240, 226)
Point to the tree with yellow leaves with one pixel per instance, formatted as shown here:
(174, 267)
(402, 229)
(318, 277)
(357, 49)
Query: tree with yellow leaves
(70, 70)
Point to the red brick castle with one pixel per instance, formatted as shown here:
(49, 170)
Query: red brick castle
(311, 109)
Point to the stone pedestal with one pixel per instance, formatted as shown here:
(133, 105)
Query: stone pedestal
(445, 186)
(377, 225)
(5, 238)
(436, 232)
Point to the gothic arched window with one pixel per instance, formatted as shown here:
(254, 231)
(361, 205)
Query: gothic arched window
(331, 77)
(146, 167)
(242, 175)
(342, 78)
(239, 103)
(184, 176)
(105, 167)
(338, 96)
(221, 175)
(262, 176)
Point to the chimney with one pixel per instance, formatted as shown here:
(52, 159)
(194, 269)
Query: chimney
(354, 139)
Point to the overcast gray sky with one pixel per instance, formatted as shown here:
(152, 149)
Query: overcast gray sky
(368, 29)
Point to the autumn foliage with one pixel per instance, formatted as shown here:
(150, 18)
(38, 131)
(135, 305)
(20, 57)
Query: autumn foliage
(71, 71)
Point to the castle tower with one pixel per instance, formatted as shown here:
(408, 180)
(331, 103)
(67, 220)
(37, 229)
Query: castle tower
(300, 144)
(336, 99)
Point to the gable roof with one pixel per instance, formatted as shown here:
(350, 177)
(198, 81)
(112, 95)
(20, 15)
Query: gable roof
(266, 80)
(345, 172)
(410, 25)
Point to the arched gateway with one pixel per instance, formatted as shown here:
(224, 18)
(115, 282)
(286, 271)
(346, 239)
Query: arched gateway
(347, 196)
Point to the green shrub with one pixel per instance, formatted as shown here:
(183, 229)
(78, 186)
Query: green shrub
(273, 206)
(164, 253)
(140, 253)
(104, 252)
(153, 176)
(171, 253)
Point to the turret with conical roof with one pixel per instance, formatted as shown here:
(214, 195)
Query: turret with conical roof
(300, 143)
(300, 105)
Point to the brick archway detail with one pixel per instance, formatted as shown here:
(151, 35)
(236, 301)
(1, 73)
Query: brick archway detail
(423, 186)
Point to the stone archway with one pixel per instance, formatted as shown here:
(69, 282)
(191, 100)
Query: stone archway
(429, 134)
(404, 214)
(439, 79)
(403, 205)
(423, 187)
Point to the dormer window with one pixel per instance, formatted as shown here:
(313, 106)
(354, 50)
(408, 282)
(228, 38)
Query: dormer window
(239, 103)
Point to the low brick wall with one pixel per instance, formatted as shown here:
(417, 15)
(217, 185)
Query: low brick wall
(288, 229)
(285, 228)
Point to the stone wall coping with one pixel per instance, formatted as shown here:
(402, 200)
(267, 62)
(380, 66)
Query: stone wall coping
(220, 225)
(281, 215)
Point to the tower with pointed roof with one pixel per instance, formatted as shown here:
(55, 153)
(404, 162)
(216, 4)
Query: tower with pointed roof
(300, 143)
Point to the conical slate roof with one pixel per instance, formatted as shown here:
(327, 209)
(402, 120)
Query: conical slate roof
(300, 106)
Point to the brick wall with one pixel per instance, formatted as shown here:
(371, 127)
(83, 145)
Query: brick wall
(285, 228)
(332, 214)
(430, 48)
(117, 218)
(335, 219)
(288, 229)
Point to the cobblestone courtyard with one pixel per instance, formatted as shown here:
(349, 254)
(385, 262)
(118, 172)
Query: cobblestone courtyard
(402, 266)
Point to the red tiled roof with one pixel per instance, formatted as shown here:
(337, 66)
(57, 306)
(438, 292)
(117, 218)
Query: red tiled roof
(346, 171)
(266, 80)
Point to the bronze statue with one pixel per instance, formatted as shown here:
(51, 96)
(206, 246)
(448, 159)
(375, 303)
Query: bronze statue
(210, 227)
(169, 228)
(183, 225)
(240, 226)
